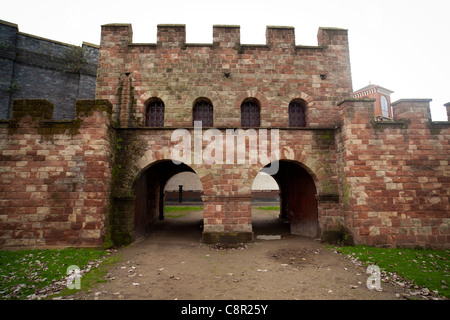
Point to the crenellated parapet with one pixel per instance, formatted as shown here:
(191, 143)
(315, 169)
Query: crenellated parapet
(174, 35)
(174, 71)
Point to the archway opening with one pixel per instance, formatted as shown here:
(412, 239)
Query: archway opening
(266, 207)
(298, 212)
(155, 210)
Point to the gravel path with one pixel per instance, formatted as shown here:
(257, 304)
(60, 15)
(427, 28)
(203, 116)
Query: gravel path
(171, 263)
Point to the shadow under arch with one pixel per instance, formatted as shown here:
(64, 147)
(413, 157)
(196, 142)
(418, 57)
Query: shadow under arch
(149, 194)
(298, 197)
(266, 199)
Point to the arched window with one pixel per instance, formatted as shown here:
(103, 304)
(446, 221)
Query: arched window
(385, 107)
(154, 114)
(297, 113)
(250, 113)
(203, 111)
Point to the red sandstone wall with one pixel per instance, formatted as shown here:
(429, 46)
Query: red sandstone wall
(222, 183)
(54, 175)
(395, 176)
(226, 72)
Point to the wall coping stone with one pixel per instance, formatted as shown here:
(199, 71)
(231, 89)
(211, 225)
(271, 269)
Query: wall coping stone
(410, 100)
(356, 100)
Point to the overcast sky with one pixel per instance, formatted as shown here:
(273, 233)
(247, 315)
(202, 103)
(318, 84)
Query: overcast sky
(401, 45)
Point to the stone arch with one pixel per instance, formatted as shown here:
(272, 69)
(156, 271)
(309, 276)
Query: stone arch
(149, 193)
(150, 157)
(141, 104)
(298, 196)
(203, 108)
(312, 165)
(139, 166)
(246, 95)
(250, 112)
(297, 95)
(154, 112)
(250, 94)
(262, 101)
(203, 93)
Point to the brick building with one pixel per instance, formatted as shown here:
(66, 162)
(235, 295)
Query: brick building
(339, 170)
(382, 96)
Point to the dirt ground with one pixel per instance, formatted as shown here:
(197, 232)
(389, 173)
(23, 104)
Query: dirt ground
(171, 263)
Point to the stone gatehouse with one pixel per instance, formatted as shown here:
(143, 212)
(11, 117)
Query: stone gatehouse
(101, 176)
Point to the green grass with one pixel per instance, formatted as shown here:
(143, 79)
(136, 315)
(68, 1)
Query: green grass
(268, 208)
(428, 268)
(172, 209)
(95, 276)
(178, 212)
(23, 272)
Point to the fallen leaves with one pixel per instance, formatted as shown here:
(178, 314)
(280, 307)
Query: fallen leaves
(294, 256)
(36, 274)
(59, 285)
(228, 247)
(418, 262)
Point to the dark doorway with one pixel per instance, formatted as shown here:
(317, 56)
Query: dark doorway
(266, 207)
(150, 196)
(298, 201)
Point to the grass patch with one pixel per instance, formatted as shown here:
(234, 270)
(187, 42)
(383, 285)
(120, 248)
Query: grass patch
(268, 208)
(178, 212)
(95, 276)
(172, 209)
(24, 272)
(427, 268)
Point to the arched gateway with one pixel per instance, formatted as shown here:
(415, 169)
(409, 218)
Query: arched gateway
(298, 198)
(226, 218)
(150, 195)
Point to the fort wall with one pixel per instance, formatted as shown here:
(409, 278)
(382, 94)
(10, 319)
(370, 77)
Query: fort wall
(99, 177)
(55, 175)
(394, 175)
(32, 67)
(226, 72)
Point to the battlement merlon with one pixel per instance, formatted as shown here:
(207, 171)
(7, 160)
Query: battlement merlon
(116, 34)
(174, 35)
(282, 37)
(447, 105)
(332, 36)
(415, 110)
(227, 36)
(171, 35)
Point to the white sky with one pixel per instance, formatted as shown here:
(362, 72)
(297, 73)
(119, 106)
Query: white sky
(401, 45)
